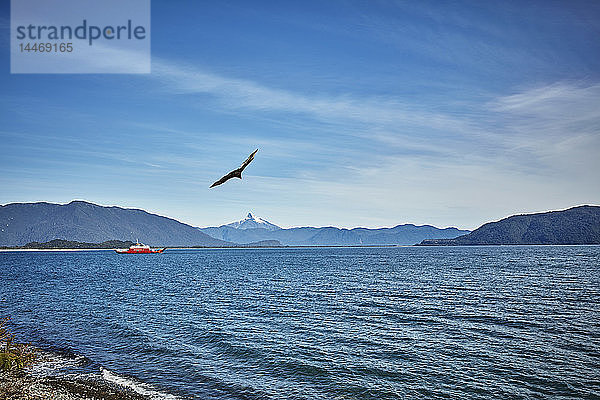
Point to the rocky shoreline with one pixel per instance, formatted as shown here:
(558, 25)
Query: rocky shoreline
(30, 384)
(24, 386)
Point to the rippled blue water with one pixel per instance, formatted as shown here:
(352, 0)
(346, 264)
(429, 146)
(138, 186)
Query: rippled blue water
(322, 323)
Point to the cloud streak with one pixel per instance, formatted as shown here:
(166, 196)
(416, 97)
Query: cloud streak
(566, 102)
(508, 130)
(515, 123)
(560, 123)
(246, 94)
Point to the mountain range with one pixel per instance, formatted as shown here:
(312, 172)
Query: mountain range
(577, 225)
(253, 229)
(23, 223)
(80, 221)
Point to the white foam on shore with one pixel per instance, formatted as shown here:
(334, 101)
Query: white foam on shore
(138, 387)
(52, 363)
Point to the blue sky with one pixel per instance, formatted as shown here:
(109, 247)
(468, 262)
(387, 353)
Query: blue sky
(370, 113)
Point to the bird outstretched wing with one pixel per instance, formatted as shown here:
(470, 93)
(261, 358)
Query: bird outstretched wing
(224, 179)
(248, 161)
(236, 173)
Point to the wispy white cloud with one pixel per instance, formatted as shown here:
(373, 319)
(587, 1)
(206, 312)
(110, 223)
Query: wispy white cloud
(561, 110)
(245, 94)
(563, 102)
(355, 132)
(558, 123)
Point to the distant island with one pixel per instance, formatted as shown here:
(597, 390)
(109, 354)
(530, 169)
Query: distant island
(577, 225)
(70, 244)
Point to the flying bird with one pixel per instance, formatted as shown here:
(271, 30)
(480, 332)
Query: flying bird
(236, 173)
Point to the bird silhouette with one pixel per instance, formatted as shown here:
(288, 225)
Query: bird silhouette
(236, 173)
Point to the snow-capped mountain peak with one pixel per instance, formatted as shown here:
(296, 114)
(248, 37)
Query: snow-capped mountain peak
(252, 222)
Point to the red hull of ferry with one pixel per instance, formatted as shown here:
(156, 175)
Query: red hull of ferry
(140, 251)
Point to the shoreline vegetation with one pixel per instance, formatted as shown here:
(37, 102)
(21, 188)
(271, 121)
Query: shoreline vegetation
(14, 356)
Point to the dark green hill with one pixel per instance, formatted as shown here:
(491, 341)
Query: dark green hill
(69, 244)
(80, 221)
(577, 225)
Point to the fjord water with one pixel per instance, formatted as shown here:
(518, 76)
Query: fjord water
(321, 323)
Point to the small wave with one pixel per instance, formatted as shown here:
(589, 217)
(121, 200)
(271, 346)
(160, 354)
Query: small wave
(138, 387)
(52, 363)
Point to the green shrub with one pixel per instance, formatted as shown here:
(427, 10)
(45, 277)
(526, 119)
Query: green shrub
(13, 356)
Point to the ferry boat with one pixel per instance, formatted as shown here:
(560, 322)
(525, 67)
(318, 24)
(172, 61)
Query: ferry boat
(139, 248)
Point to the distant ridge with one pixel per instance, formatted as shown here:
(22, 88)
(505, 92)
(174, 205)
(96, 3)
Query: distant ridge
(577, 225)
(253, 229)
(22, 223)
